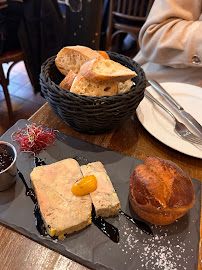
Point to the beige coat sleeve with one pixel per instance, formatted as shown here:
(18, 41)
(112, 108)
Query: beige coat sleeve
(172, 34)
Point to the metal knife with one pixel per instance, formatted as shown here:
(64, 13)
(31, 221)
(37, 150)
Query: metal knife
(197, 127)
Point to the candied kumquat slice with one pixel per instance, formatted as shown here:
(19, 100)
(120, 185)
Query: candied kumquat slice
(85, 185)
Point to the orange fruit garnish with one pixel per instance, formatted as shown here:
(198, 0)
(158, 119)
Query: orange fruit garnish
(84, 185)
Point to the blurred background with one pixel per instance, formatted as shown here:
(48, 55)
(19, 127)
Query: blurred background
(32, 31)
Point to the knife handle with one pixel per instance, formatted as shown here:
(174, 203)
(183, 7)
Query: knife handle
(165, 94)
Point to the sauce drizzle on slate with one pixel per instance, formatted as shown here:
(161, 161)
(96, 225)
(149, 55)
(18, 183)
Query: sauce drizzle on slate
(38, 162)
(37, 213)
(108, 229)
(104, 226)
(140, 224)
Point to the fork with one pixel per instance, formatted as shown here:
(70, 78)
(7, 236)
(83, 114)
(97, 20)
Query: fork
(180, 129)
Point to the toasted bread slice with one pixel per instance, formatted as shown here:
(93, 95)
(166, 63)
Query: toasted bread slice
(98, 70)
(66, 83)
(124, 86)
(82, 86)
(61, 210)
(73, 57)
(104, 198)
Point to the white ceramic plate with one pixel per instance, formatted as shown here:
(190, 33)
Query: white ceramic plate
(159, 124)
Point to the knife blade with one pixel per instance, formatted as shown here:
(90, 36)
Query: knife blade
(192, 121)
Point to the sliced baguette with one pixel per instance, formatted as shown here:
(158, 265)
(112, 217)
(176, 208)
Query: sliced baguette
(72, 57)
(104, 198)
(66, 83)
(61, 210)
(124, 86)
(104, 54)
(98, 70)
(82, 86)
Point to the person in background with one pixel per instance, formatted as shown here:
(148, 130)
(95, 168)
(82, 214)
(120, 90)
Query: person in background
(36, 27)
(171, 42)
(11, 13)
(41, 34)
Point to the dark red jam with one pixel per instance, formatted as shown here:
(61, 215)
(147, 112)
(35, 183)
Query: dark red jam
(5, 159)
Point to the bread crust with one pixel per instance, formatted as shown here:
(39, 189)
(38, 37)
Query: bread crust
(82, 86)
(66, 83)
(98, 70)
(104, 54)
(72, 57)
(160, 191)
(124, 86)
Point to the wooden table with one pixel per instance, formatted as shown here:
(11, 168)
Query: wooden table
(19, 252)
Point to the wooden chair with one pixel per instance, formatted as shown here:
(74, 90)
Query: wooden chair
(14, 56)
(126, 16)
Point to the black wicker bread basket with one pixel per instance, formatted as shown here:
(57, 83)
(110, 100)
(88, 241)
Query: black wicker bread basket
(92, 115)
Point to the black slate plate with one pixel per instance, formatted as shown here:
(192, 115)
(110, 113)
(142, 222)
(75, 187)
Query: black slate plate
(175, 246)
